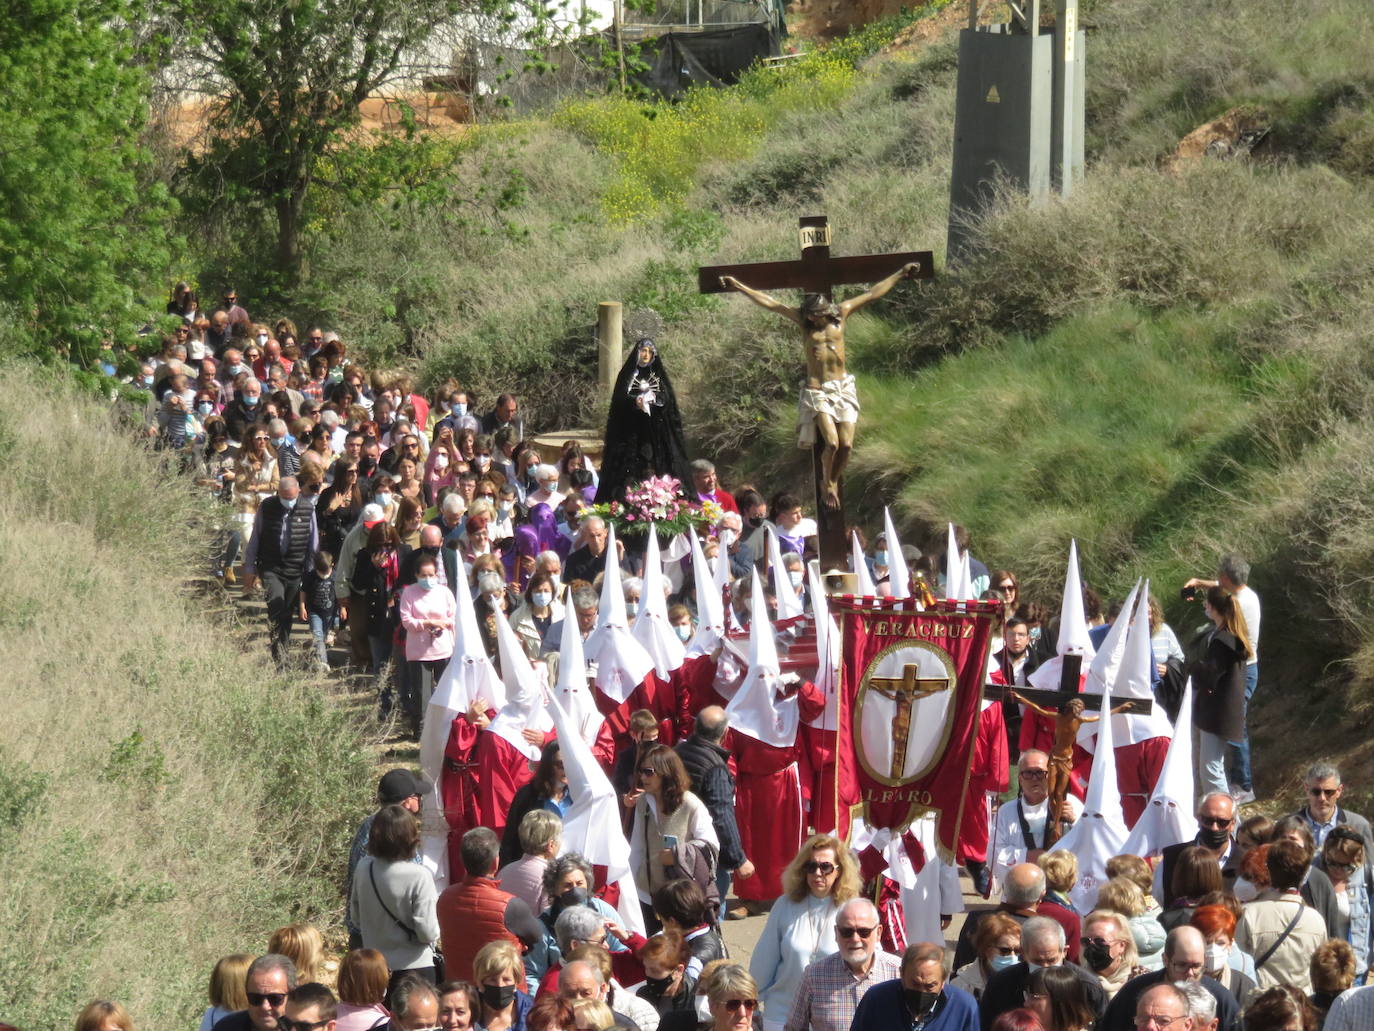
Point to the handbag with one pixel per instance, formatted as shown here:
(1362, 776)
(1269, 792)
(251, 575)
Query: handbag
(1280, 939)
(411, 936)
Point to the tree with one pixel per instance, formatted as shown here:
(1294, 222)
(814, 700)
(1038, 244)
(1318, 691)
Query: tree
(286, 78)
(82, 229)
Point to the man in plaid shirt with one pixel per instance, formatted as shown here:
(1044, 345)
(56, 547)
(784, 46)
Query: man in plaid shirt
(832, 987)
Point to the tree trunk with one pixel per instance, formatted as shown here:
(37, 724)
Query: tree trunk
(289, 223)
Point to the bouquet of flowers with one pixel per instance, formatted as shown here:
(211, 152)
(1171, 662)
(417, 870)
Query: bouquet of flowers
(658, 500)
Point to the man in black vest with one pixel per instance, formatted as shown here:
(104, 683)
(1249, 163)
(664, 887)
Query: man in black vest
(1216, 828)
(706, 761)
(285, 537)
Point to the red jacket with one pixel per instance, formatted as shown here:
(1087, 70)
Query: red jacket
(471, 913)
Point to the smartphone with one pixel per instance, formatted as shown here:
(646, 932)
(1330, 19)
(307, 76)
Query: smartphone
(670, 841)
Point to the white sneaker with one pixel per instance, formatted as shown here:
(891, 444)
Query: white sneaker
(1242, 796)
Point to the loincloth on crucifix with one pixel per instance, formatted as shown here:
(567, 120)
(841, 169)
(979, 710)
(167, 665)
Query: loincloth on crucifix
(905, 691)
(837, 398)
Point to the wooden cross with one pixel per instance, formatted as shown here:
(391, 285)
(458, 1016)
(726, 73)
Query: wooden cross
(904, 690)
(818, 273)
(1068, 689)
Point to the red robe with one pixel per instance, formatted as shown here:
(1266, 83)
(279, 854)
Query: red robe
(458, 789)
(1137, 771)
(819, 771)
(503, 771)
(693, 683)
(654, 695)
(989, 773)
(768, 803)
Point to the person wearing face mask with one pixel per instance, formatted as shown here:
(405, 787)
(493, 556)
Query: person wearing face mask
(285, 538)
(244, 410)
(833, 987)
(1042, 945)
(920, 999)
(428, 610)
(667, 987)
(475, 913)
(539, 610)
(1217, 924)
(1109, 950)
(1216, 822)
(998, 944)
(1184, 958)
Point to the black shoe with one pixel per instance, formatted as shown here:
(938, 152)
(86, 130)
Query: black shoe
(982, 879)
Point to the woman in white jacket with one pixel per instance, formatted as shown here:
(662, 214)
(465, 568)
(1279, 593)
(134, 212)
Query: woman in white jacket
(666, 814)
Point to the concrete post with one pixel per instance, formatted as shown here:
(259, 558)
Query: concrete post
(608, 345)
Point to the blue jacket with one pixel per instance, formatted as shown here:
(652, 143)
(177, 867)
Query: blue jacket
(883, 1009)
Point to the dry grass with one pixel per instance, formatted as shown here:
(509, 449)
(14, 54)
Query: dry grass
(165, 797)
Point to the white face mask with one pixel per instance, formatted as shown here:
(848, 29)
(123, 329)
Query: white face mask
(703, 1007)
(441, 461)
(727, 538)
(1217, 957)
(557, 581)
(262, 339)
(1244, 890)
(541, 599)
(795, 576)
(631, 607)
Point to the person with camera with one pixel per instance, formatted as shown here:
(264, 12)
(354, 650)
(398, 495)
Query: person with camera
(1233, 576)
(1219, 689)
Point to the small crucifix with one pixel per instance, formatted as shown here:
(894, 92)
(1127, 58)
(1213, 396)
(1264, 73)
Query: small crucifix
(829, 408)
(904, 690)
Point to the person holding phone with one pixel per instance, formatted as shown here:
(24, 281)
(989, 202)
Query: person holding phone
(666, 816)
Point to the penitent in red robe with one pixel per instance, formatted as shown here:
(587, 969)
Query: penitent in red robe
(458, 789)
(1137, 771)
(502, 770)
(819, 770)
(989, 774)
(768, 803)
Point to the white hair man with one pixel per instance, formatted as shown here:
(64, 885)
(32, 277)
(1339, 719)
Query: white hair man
(1020, 832)
(1042, 945)
(832, 986)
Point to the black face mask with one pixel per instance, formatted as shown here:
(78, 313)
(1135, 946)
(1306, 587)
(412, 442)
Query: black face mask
(755, 521)
(658, 985)
(1098, 957)
(573, 897)
(1213, 837)
(497, 997)
(919, 1002)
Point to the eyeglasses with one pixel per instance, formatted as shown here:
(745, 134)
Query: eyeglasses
(1147, 1019)
(259, 440)
(855, 932)
(273, 999)
(1343, 867)
(287, 1024)
(1034, 774)
(648, 771)
(1323, 792)
(825, 869)
(1218, 822)
(734, 1005)
(1008, 950)
(1101, 943)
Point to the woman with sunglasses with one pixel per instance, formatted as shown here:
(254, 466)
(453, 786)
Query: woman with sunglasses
(668, 819)
(821, 877)
(728, 1001)
(1343, 860)
(998, 944)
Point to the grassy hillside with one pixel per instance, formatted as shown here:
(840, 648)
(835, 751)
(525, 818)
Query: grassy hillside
(166, 798)
(1167, 366)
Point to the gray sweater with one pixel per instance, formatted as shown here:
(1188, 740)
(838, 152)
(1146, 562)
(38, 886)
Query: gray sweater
(408, 890)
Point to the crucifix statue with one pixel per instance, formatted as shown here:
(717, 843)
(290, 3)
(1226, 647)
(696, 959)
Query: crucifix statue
(828, 410)
(904, 690)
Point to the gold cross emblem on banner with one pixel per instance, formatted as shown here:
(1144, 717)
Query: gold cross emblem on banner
(904, 690)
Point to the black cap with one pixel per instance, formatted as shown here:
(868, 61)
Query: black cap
(398, 785)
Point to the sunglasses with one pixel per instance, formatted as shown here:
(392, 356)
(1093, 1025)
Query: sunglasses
(271, 998)
(1006, 587)
(1101, 943)
(1323, 792)
(287, 1024)
(825, 869)
(1216, 822)
(1034, 774)
(1008, 950)
(648, 771)
(852, 932)
(734, 1005)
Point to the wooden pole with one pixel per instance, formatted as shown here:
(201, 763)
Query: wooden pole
(608, 346)
(619, 44)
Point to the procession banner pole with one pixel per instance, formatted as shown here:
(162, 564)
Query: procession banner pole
(968, 771)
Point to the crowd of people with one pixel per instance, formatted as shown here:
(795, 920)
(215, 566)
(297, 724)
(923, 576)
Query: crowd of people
(458, 561)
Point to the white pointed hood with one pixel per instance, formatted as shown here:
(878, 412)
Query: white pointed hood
(755, 710)
(966, 578)
(1168, 817)
(1134, 680)
(1101, 829)
(1106, 664)
(572, 691)
(1073, 629)
(651, 627)
(789, 602)
(710, 606)
(621, 661)
(592, 824)
(864, 585)
(898, 576)
(524, 708)
(953, 565)
(827, 678)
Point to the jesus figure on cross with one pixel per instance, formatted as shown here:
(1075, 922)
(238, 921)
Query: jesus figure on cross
(829, 404)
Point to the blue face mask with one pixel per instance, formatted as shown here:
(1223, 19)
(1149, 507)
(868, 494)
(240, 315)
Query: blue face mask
(250, 400)
(205, 408)
(1000, 962)
(287, 503)
(541, 599)
(147, 381)
(880, 558)
(383, 499)
(459, 409)
(428, 582)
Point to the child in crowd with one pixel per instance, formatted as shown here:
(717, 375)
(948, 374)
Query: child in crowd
(320, 604)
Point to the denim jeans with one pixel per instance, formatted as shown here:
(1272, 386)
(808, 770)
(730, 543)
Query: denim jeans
(320, 624)
(1238, 752)
(1211, 763)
